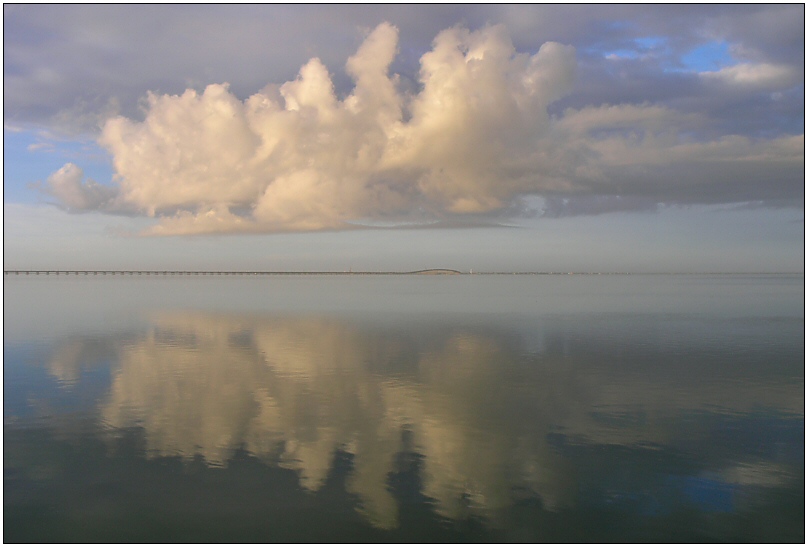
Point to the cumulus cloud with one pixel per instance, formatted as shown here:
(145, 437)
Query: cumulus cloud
(296, 157)
(473, 138)
(74, 193)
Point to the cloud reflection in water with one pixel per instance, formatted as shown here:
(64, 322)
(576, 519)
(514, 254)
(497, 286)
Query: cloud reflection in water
(477, 407)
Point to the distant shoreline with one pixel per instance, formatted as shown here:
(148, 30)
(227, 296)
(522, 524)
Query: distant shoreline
(432, 272)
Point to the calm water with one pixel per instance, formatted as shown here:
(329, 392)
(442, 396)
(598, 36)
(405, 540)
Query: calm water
(404, 408)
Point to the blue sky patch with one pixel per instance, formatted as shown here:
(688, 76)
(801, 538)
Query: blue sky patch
(650, 42)
(708, 57)
(30, 157)
(642, 47)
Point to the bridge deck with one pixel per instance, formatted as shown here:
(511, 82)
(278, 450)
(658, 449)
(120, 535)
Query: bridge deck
(198, 272)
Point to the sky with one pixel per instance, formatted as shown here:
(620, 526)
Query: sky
(651, 138)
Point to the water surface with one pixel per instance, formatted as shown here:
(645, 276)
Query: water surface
(404, 408)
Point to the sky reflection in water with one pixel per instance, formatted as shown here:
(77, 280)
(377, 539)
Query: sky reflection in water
(658, 420)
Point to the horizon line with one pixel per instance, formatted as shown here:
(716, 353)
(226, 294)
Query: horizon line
(428, 271)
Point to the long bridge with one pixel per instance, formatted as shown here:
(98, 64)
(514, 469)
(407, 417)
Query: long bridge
(434, 271)
(200, 272)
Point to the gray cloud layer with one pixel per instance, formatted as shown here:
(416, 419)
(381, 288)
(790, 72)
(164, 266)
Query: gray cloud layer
(80, 62)
(469, 126)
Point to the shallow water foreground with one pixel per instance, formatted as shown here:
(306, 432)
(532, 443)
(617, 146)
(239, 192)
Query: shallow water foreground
(404, 408)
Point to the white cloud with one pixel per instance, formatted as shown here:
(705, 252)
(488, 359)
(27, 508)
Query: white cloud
(474, 137)
(39, 146)
(295, 157)
(764, 76)
(74, 193)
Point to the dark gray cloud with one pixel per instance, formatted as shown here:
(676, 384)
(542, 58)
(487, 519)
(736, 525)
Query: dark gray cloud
(76, 64)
